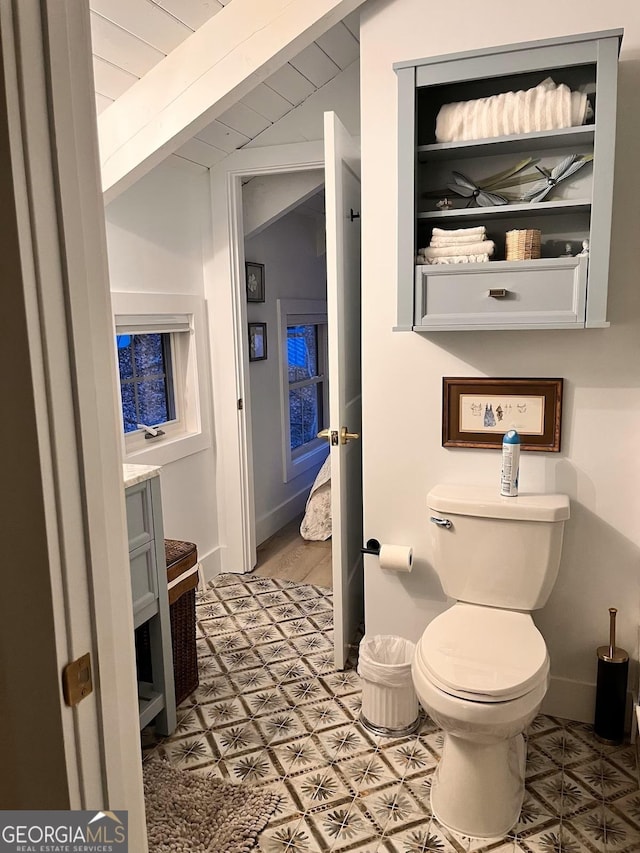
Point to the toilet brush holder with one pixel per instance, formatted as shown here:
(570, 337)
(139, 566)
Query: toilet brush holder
(611, 688)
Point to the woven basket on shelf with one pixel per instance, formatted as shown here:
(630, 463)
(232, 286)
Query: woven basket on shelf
(523, 244)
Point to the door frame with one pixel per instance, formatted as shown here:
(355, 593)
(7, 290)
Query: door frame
(57, 243)
(224, 284)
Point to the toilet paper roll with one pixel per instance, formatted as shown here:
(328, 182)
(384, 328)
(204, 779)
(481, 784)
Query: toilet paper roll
(396, 558)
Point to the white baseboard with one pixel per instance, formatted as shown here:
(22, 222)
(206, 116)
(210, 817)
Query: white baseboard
(576, 700)
(572, 700)
(211, 563)
(272, 521)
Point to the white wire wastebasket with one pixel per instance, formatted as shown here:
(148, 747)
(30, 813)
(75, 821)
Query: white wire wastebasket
(389, 701)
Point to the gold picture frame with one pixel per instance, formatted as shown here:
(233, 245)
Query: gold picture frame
(477, 412)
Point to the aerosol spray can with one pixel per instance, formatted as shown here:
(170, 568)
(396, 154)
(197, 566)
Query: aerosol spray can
(510, 464)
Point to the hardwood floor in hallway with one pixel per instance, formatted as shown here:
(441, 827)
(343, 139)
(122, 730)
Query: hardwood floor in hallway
(287, 556)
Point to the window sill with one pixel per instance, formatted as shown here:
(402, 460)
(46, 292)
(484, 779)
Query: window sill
(168, 449)
(315, 456)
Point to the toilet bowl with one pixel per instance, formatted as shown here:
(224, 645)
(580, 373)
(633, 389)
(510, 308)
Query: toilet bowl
(481, 674)
(481, 668)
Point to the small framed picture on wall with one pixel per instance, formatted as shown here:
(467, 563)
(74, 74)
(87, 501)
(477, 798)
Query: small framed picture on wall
(255, 281)
(257, 341)
(478, 411)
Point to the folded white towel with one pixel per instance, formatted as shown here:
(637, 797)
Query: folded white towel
(484, 247)
(547, 106)
(456, 241)
(479, 231)
(458, 259)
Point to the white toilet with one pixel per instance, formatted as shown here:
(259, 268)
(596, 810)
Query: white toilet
(481, 668)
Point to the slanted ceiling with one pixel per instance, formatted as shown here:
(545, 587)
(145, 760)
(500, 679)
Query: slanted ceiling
(131, 36)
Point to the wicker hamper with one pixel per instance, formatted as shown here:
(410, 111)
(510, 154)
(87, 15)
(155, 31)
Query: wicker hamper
(180, 557)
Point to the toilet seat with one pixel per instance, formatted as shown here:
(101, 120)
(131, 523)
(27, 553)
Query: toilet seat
(483, 654)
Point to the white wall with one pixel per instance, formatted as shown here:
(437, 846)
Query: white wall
(599, 463)
(293, 270)
(157, 231)
(158, 234)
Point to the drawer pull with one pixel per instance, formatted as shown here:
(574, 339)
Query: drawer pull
(498, 292)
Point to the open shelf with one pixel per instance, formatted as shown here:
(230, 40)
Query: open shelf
(564, 138)
(150, 703)
(509, 211)
(505, 266)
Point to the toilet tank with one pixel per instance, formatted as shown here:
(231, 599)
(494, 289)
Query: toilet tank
(493, 550)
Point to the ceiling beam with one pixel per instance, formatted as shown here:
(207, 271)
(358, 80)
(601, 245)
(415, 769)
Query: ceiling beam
(211, 70)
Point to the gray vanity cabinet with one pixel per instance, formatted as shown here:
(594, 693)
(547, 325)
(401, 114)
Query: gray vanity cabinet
(156, 697)
(560, 290)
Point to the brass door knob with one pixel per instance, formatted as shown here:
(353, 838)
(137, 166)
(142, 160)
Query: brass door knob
(324, 433)
(346, 436)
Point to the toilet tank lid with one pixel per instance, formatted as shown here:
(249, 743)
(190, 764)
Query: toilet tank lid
(486, 502)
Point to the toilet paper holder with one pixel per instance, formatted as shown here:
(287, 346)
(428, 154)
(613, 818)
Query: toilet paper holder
(391, 558)
(372, 547)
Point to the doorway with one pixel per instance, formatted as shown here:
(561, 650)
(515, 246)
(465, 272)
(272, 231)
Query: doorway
(286, 556)
(225, 289)
(287, 393)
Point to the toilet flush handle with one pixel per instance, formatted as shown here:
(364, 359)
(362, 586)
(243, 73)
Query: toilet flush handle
(441, 522)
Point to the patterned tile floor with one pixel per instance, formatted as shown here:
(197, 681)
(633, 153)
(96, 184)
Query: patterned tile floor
(271, 711)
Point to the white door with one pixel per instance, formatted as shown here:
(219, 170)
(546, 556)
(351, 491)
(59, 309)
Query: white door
(342, 192)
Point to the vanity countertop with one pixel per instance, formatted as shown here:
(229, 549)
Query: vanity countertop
(132, 474)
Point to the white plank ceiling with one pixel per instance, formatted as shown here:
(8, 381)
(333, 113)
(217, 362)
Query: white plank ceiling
(131, 36)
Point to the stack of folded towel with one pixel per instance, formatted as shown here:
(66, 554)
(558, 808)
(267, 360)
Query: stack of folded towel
(457, 246)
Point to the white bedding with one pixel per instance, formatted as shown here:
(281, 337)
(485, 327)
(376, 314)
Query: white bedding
(316, 524)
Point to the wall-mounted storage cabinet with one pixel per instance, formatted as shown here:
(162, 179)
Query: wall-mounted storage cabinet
(562, 288)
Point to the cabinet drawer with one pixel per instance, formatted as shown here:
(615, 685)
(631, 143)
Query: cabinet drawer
(139, 515)
(144, 585)
(502, 294)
